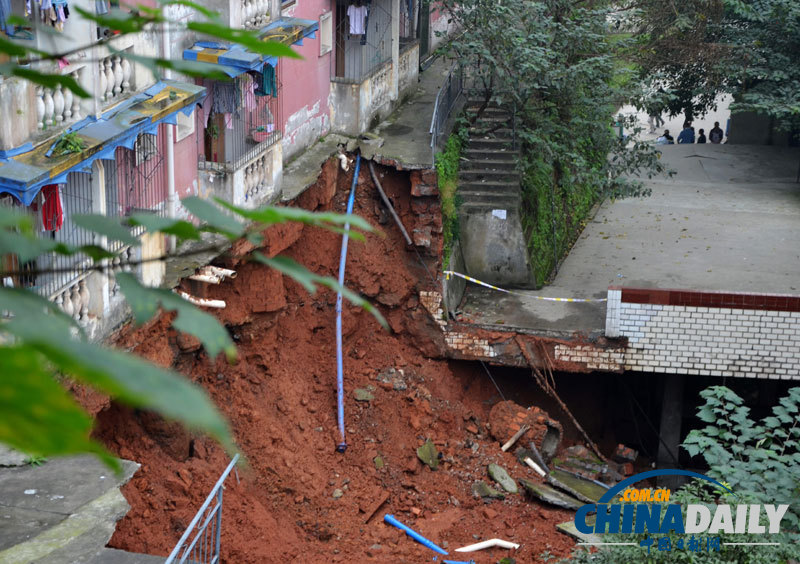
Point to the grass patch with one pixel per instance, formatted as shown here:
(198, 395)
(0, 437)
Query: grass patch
(447, 163)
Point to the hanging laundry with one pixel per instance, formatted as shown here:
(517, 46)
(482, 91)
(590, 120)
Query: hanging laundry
(357, 16)
(5, 12)
(248, 92)
(226, 98)
(366, 24)
(52, 212)
(269, 84)
(100, 7)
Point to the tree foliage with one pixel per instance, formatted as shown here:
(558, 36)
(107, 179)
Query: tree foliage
(758, 460)
(41, 347)
(697, 49)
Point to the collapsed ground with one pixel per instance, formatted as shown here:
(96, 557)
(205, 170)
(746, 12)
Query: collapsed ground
(281, 401)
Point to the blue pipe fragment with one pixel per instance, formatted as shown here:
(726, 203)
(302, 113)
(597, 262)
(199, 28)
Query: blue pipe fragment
(458, 561)
(413, 534)
(342, 446)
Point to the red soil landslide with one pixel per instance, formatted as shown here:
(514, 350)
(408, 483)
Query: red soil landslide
(281, 401)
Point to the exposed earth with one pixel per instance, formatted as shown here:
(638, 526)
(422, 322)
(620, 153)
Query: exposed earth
(296, 499)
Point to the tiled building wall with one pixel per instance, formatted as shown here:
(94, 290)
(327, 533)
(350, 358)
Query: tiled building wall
(707, 333)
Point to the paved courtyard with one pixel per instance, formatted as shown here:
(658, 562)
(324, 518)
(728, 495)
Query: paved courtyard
(728, 220)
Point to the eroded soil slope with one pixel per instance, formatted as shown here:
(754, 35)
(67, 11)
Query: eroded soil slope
(281, 400)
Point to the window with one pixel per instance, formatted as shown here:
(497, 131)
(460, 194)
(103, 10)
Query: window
(185, 126)
(145, 148)
(325, 33)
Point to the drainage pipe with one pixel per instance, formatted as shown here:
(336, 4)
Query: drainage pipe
(342, 446)
(414, 534)
(388, 203)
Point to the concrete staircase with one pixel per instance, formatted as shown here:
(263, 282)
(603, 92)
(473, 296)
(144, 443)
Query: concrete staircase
(64, 511)
(488, 178)
(492, 240)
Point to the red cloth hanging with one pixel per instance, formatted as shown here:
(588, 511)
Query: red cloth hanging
(52, 213)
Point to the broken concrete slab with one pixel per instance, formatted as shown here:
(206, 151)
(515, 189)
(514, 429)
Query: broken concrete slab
(582, 488)
(484, 490)
(568, 528)
(499, 475)
(550, 495)
(429, 455)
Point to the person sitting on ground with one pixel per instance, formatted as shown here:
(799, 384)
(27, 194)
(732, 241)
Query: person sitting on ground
(687, 135)
(702, 137)
(665, 139)
(715, 135)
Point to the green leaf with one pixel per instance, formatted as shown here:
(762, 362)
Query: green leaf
(44, 79)
(309, 280)
(26, 247)
(178, 227)
(17, 219)
(145, 302)
(215, 217)
(190, 68)
(137, 382)
(271, 215)
(248, 39)
(37, 415)
(121, 21)
(96, 253)
(111, 227)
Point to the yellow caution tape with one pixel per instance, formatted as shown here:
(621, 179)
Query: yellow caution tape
(449, 273)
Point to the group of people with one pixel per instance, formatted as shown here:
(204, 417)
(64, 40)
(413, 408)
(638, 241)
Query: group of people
(688, 135)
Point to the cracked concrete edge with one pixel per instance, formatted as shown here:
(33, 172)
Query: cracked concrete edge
(98, 517)
(101, 513)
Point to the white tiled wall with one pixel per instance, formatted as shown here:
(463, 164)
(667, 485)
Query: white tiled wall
(706, 341)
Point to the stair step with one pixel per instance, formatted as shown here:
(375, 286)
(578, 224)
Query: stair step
(484, 207)
(493, 144)
(493, 156)
(489, 184)
(488, 164)
(489, 200)
(480, 176)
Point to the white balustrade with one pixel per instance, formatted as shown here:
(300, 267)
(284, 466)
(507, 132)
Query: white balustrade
(256, 177)
(115, 78)
(74, 301)
(255, 13)
(59, 106)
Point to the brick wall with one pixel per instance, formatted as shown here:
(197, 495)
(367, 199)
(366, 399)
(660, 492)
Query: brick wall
(707, 333)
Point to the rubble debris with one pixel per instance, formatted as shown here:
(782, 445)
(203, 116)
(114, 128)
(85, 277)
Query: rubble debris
(624, 454)
(577, 486)
(429, 455)
(488, 544)
(362, 394)
(551, 495)
(524, 429)
(337, 493)
(506, 418)
(536, 467)
(378, 461)
(499, 475)
(413, 534)
(484, 490)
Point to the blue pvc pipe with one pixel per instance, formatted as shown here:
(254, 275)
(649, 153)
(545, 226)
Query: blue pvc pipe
(458, 561)
(413, 534)
(342, 446)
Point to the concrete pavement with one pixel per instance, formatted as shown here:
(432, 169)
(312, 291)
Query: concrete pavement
(728, 220)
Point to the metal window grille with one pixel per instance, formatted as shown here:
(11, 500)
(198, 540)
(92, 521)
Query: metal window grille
(76, 198)
(235, 138)
(357, 56)
(200, 544)
(136, 179)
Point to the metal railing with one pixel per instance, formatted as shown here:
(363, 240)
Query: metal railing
(358, 56)
(446, 99)
(200, 544)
